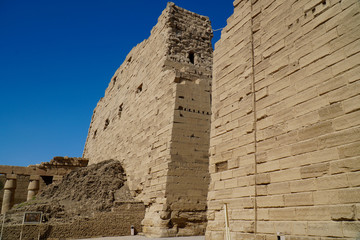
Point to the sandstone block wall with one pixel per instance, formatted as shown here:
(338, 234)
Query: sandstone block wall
(155, 119)
(285, 131)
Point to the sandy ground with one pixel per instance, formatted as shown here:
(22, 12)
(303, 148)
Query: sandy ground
(145, 238)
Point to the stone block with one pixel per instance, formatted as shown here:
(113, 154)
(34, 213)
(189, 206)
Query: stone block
(351, 195)
(300, 227)
(270, 201)
(351, 230)
(265, 227)
(285, 175)
(278, 188)
(242, 226)
(299, 199)
(343, 213)
(346, 121)
(332, 182)
(283, 227)
(262, 179)
(331, 229)
(352, 104)
(345, 165)
(315, 170)
(304, 147)
(329, 112)
(354, 179)
(351, 150)
(242, 214)
(282, 214)
(302, 185)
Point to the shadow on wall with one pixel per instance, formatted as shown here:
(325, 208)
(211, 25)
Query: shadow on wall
(2, 183)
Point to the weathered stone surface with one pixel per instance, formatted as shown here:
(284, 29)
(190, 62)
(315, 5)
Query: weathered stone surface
(155, 120)
(31, 179)
(289, 69)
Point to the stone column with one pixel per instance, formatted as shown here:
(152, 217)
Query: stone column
(33, 187)
(9, 193)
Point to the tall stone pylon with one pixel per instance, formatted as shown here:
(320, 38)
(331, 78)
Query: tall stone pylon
(155, 119)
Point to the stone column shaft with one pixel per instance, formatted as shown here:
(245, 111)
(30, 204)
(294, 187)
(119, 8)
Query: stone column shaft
(33, 187)
(9, 193)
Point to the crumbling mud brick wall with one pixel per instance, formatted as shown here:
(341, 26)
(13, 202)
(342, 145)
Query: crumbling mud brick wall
(285, 131)
(155, 119)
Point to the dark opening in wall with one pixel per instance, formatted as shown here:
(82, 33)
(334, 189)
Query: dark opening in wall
(95, 134)
(192, 57)
(120, 110)
(139, 89)
(114, 80)
(2, 183)
(47, 179)
(107, 122)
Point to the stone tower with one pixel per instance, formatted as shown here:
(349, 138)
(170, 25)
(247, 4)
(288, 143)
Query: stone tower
(155, 119)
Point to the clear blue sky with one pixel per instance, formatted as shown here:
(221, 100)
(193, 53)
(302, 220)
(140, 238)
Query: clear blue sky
(57, 58)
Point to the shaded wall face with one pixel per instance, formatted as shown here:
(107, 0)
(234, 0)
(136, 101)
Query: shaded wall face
(2, 183)
(285, 125)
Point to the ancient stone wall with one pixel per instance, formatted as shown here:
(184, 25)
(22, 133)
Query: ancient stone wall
(27, 181)
(155, 119)
(285, 133)
(21, 191)
(118, 222)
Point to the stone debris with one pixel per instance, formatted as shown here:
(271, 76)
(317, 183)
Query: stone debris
(95, 197)
(81, 193)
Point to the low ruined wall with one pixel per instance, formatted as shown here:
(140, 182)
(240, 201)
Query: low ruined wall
(285, 134)
(21, 192)
(116, 223)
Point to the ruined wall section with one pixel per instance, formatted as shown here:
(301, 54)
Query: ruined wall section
(188, 176)
(285, 130)
(136, 124)
(130, 123)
